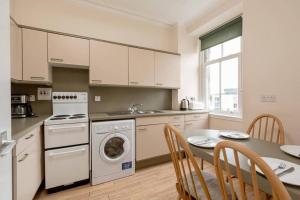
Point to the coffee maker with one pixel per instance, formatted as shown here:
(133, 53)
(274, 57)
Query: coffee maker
(20, 106)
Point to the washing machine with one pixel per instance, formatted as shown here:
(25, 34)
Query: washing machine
(113, 150)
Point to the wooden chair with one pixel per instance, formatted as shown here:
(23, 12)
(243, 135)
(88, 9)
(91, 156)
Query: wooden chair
(267, 127)
(221, 166)
(192, 183)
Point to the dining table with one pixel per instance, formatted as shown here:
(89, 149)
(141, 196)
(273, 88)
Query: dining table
(261, 147)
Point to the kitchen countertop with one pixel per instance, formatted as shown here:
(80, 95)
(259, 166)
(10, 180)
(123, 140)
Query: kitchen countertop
(105, 116)
(21, 126)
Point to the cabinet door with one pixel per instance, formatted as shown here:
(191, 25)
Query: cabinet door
(167, 70)
(68, 50)
(16, 51)
(35, 65)
(109, 63)
(150, 141)
(141, 67)
(28, 173)
(199, 124)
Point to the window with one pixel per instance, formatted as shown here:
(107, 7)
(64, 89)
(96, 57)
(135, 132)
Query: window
(222, 77)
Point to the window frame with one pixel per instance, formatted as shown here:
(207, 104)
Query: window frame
(205, 80)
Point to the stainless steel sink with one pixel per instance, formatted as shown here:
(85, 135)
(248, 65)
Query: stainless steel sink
(140, 112)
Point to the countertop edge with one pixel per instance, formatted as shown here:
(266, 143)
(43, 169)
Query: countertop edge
(20, 132)
(104, 116)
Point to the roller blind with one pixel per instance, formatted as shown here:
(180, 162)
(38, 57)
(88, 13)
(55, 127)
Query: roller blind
(222, 34)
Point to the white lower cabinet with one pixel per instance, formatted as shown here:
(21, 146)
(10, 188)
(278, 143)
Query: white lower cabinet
(196, 121)
(150, 141)
(60, 169)
(27, 167)
(150, 138)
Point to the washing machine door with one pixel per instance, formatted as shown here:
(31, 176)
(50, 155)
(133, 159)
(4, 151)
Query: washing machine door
(114, 147)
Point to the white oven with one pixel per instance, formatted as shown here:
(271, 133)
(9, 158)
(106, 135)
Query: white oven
(65, 166)
(66, 135)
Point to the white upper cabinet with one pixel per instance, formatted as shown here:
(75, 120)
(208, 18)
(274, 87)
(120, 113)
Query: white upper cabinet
(141, 67)
(167, 70)
(68, 50)
(16, 51)
(35, 65)
(108, 63)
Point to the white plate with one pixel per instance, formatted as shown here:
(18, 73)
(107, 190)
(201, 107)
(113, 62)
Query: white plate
(203, 141)
(293, 150)
(290, 178)
(234, 135)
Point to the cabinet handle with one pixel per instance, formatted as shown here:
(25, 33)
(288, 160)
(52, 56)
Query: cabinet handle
(135, 83)
(142, 129)
(57, 59)
(24, 157)
(37, 78)
(176, 125)
(30, 136)
(67, 152)
(97, 81)
(188, 124)
(159, 84)
(197, 116)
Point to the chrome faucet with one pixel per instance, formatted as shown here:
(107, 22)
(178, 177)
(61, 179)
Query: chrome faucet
(135, 108)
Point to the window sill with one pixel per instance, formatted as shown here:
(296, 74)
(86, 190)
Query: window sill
(236, 118)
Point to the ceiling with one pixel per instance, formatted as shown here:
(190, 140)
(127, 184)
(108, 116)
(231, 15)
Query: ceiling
(168, 12)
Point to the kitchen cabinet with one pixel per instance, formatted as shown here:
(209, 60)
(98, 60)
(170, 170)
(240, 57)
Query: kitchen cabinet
(150, 138)
(196, 121)
(16, 51)
(68, 50)
(141, 67)
(27, 165)
(150, 141)
(167, 70)
(108, 63)
(35, 65)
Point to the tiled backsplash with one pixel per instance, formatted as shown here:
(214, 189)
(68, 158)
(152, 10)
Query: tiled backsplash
(112, 98)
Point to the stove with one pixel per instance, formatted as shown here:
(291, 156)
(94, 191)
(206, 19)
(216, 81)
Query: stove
(67, 140)
(68, 108)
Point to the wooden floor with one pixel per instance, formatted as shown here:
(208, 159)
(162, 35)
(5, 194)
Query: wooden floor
(153, 183)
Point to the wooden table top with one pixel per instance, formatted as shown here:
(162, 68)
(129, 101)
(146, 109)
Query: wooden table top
(262, 148)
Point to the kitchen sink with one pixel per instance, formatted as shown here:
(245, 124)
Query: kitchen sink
(140, 112)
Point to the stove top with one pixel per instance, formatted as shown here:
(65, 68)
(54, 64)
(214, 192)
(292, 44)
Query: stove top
(66, 119)
(68, 107)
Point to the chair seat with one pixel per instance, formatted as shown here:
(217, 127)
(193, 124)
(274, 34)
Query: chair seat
(212, 185)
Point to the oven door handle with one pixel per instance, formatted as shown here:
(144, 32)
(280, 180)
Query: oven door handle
(67, 152)
(53, 130)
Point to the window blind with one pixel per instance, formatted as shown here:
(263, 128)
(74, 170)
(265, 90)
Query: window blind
(222, 34)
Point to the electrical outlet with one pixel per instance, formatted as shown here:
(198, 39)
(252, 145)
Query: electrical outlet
(97, 98)
(269, 98)
(32, 98)
(44, 93)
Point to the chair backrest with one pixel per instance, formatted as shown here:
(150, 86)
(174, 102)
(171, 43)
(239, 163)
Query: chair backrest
(185, 166)
(267, 127)
(231, 151)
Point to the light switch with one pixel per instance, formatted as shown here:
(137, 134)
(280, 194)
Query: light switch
(44, 93)
(32, 98)
(97, 98)
(269, 98)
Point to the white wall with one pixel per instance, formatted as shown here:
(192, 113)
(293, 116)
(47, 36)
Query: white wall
(188, 47)
(271, 61)
(76, 17)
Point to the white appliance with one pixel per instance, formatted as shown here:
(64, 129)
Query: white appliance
(113, 150)
(5, 114)
(67, 140)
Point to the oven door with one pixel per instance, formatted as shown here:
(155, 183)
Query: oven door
(65, 166)
(66, 135)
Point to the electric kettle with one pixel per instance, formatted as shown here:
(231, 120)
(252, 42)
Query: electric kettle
(184, 104)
